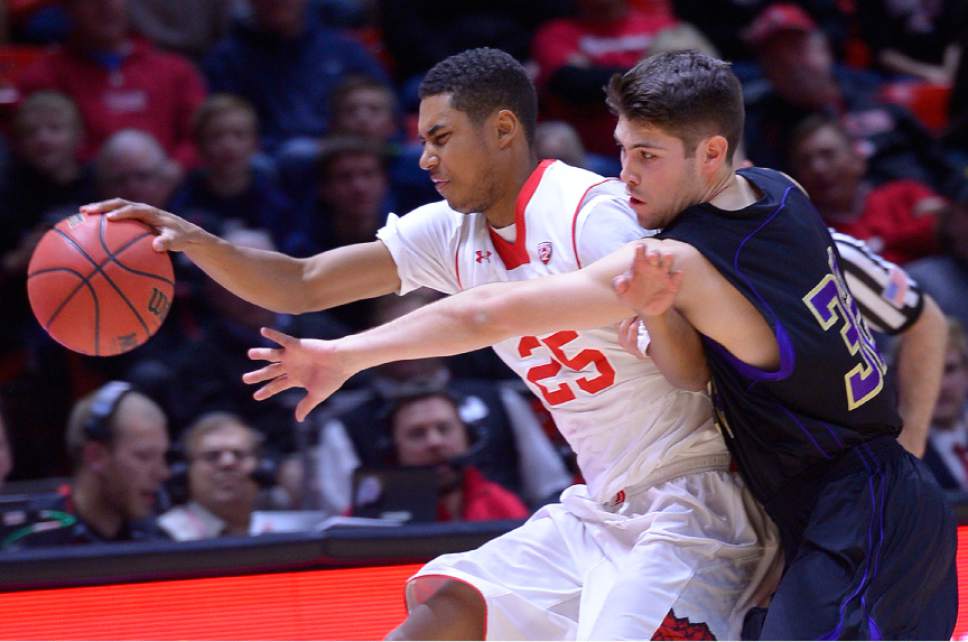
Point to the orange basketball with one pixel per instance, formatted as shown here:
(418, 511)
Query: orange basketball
(97, 287)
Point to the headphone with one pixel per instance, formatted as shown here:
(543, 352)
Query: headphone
(97, 423)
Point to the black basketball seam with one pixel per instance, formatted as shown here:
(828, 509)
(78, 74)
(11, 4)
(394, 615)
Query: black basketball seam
(56, 313)
(97, 269)
(113, 256)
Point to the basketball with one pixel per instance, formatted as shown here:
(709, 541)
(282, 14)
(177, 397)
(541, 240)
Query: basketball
(97, 287)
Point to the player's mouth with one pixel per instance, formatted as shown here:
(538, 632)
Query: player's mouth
(439, 184)
(635, 201)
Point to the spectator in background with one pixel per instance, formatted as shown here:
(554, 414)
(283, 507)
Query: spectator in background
(427, 431)
(577, 55)
(286, 64)
(6, 449)
(228, 187)
(222, 453)
(898, 219)
(914, 39)
(187, 27)
(796, 59)
(557, 139)
(947, 450)
(118, 439)
(120, 82)
(368, 108)
(945, 276)
(133, 165)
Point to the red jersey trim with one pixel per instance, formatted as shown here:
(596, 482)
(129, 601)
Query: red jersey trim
(516, 254)
(460, 286)
(574, 220)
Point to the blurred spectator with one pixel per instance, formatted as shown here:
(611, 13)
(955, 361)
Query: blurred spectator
(118, 438)
(576, 56)
(229, 187)
(517, 454)
(222, 453)
(203, 373)
(6, 449)
(898, 219)
(120, 82)
(916, 39)
(945, 276)
(558, 139)
(187, 27)
(45, 176)
(421, 33)
(427, 431)
(947, 451)
(798, 63)
(132, 165)
(286, 64)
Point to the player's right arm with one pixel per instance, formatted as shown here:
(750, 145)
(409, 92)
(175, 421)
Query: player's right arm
(271, 280)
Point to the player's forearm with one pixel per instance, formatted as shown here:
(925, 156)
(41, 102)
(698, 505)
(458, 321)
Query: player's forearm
(676, 349)
(920, 364)
(267, 279)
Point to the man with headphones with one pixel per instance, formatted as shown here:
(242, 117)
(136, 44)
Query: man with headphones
(426, 430)
(117, 438)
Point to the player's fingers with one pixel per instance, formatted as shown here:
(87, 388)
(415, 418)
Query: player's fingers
(281, 338)
(306, 405)
(274, 387)
(265, 354)
(162, 242)
(104, 206)
(620, 284)
(676, 280)
(270, 371)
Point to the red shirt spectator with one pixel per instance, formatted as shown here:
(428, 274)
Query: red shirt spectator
(576, 56)
(484, 500)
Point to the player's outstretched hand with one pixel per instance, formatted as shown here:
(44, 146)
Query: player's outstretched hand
(174, 233)
(650, 284)
(312, 364)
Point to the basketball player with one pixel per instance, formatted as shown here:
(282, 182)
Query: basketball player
(663, 539)
(798, 386)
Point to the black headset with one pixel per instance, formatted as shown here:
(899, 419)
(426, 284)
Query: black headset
(97, 423)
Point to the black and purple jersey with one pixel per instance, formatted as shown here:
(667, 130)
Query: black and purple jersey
(830, 391)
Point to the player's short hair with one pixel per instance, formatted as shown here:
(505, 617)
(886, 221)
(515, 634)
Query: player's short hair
(688, 94)
(217, 105)
(482, 81)
(48, 101)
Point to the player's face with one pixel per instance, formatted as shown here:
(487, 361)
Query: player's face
(457, 155)
(827, 167)
(660, 180)
(221, 469)
(137, 468)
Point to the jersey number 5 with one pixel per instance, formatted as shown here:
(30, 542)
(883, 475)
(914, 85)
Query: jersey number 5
(563, 392)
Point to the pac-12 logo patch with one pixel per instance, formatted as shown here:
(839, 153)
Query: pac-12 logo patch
(544, 251)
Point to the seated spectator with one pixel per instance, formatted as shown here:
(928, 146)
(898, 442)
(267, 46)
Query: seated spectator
(120, 82)
(222, 454)
(427, 431)
(118, 439)
(286, 64)
(133, 165)
(898, 219)
(228, 187)
(945, 276)
(45, 177)
(577, 55)
(558, 139)
(947, 449)
(798, 64)
(188, 27)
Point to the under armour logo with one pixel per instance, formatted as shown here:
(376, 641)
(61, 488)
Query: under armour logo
(482, 255)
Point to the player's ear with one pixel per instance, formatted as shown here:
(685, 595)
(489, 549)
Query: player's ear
(713, 151)
(508, 127)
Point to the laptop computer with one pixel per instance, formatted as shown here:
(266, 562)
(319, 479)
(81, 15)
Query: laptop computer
(400, 494)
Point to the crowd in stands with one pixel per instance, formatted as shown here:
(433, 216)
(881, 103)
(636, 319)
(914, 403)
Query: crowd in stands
(290, 125)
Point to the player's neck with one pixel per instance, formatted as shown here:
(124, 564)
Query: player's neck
(502, 212)
(731, 192)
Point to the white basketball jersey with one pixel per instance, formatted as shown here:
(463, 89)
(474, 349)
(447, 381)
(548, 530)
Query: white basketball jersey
(625, 422)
